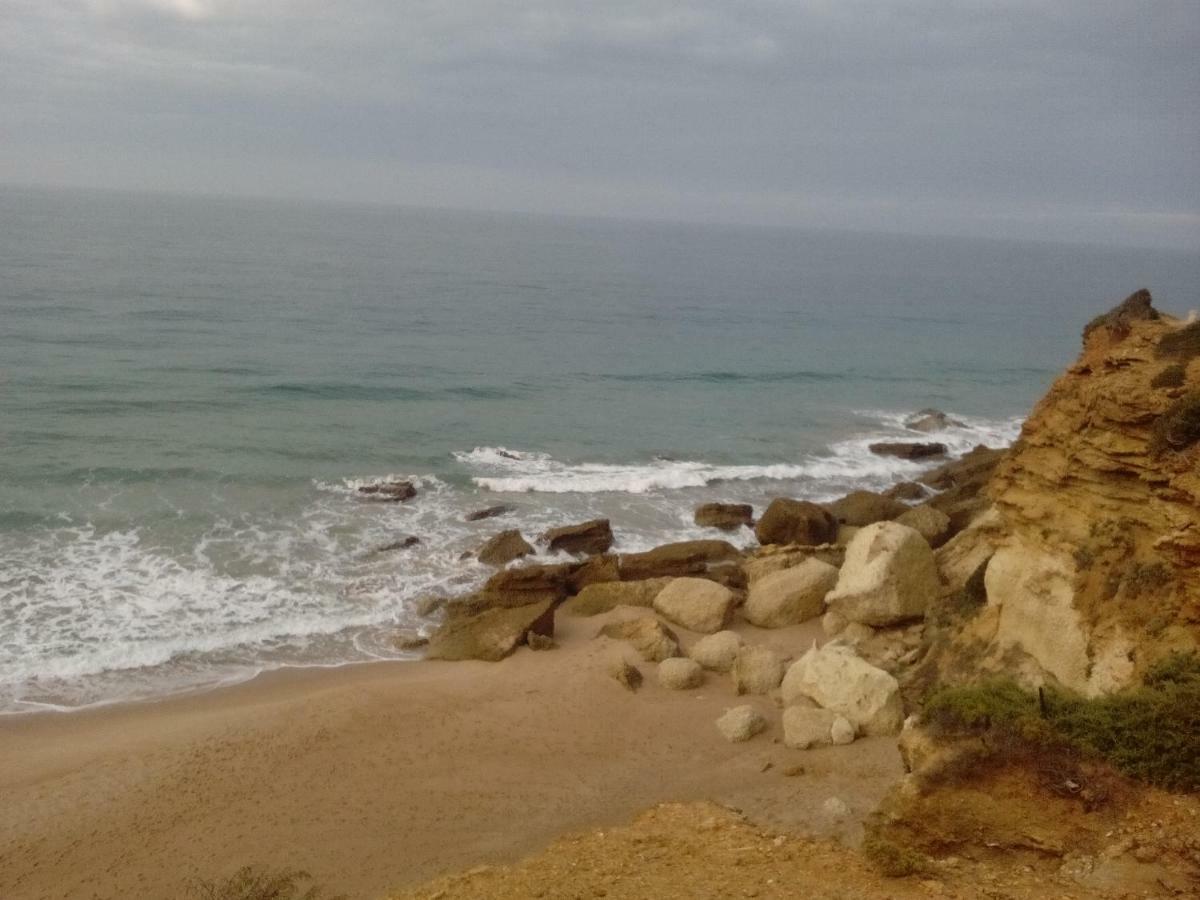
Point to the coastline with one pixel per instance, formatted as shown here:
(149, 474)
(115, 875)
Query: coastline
(374, 777)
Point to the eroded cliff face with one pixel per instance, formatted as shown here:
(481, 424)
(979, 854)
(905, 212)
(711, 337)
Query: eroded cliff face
(1086, 568)
(1096, 564)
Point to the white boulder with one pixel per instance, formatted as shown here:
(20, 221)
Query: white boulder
(741, 723)
(839, 680)
(696, 604)
(805, 727)
(790, 596)
(889, 576)
(680, 674)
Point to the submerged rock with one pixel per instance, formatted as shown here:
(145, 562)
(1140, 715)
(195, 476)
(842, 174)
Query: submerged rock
(696, 604)
(626, 675)
(503, 548)
(725, 516)
(589, 538)
(756, 670)
(789, 521)
(490, 512)
(389, 491)
(907, 449)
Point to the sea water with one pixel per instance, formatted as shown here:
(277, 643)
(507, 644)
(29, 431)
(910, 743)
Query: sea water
(192, 390)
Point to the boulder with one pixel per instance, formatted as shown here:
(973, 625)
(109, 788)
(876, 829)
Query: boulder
(403, 544)
(842, 731)
(717, 651)
(585, 538)
(604, 596)
(725, 516)
(805, 727)
(860, 508)
(490, 512)
(492, 634)
(775, 559)
(598, 569)
(526, 584)
(833, 623)
(652, 640)
(503, 548)
(680, 674)
(931, 420)
(842, 682)
(790, 596)
(907, 490)
(696, 604)
(741, 723)
(626, 675)
(389, 491)
(676, 560)
(789, 521)
(931, 523)
(908, 449)
(960, 485)
(889, 576)
(756, 670)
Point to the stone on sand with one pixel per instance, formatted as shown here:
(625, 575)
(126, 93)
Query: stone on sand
(696, 604)
(680, 673)
(717, 652)
(805, 727)
(757, 670)
(652, 640)
(741, 723)
(844, 683)
(790, 596)
(889, 576)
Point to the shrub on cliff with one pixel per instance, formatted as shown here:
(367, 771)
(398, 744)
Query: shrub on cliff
(1178, 427)
(1183, 342)
(249, 883)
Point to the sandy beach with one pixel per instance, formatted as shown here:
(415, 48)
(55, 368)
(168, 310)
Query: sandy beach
(375, 777)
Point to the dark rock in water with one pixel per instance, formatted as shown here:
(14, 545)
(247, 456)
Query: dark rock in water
(908, 450)
(389, 491)
(427, 606)
(503, 548)
(789, 521)
(587, 537)
(676, 560)
(492, 634)
(859, 508)
(906, 490)
(931, 420)
(726, 516)
(490, 512)
(404, 543)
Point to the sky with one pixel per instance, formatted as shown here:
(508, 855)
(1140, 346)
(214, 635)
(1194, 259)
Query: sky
(1073, 120)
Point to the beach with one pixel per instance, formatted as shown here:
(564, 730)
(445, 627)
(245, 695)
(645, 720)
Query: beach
(377, 776)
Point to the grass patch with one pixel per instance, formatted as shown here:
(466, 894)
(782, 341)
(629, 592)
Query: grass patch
(1151, 732)
(1183, 342)
(1170, 377)
(1178, 427)
(250, 883)
(892, 860)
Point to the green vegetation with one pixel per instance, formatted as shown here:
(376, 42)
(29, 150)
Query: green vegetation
(249, 883)
(1170, 377)
(1184, 342)
(1178, 427)
(892, 860)
(1151, 733)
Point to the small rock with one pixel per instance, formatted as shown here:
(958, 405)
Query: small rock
(725, 516)
(857, 633)
(403, 544)
(833, 623)
(841, 732)
(805, 727)
(540, 642)
(717, 652)
(652, 640)
(757, 670)
(680, 674)
(502, 509)
(628, 676)
(931, 420)
(389, 491)
(741, 723)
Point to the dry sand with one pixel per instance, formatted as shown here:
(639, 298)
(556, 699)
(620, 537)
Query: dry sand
(379, 776)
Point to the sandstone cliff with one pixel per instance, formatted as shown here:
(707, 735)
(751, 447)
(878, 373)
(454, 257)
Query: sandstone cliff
(1094, 543)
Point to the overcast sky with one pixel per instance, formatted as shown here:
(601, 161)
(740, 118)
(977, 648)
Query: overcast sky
(1065, 119)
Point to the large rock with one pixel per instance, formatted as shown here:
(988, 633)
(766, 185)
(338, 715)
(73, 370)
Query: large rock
(696, 604)
(790, 596)
(652, 640)
(927, 420)
(908, 449)
(928, 521)
(526, 584)
(805, 727)
(587, 537)
(503, 548)
(860, 508)
(756, 670)
(680, 674)
(889, 576)
(842, 682)
(741, 723)
(492, 634)
(796, 522)
(604, 596)
(717, 651)
(725, 516)
(676, 560)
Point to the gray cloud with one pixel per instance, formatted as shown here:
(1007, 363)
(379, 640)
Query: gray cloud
(1075, 120)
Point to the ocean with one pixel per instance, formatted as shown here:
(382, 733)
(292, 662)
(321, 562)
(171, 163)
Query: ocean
(192, 389)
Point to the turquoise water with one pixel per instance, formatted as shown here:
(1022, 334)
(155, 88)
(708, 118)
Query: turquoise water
(191, 389)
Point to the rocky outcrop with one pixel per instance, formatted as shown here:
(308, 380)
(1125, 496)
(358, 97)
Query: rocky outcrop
(489, 635)
(795, 522)
(588, 538)
(859, 508)
(931, 420)
(652, 640)
(889, 576)
(790, 596)
(717, 652)
(741, 723)
(908, 449)
(677, 560)
(696, 604)
(840, 681)
(503, 548)
(725, 516)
